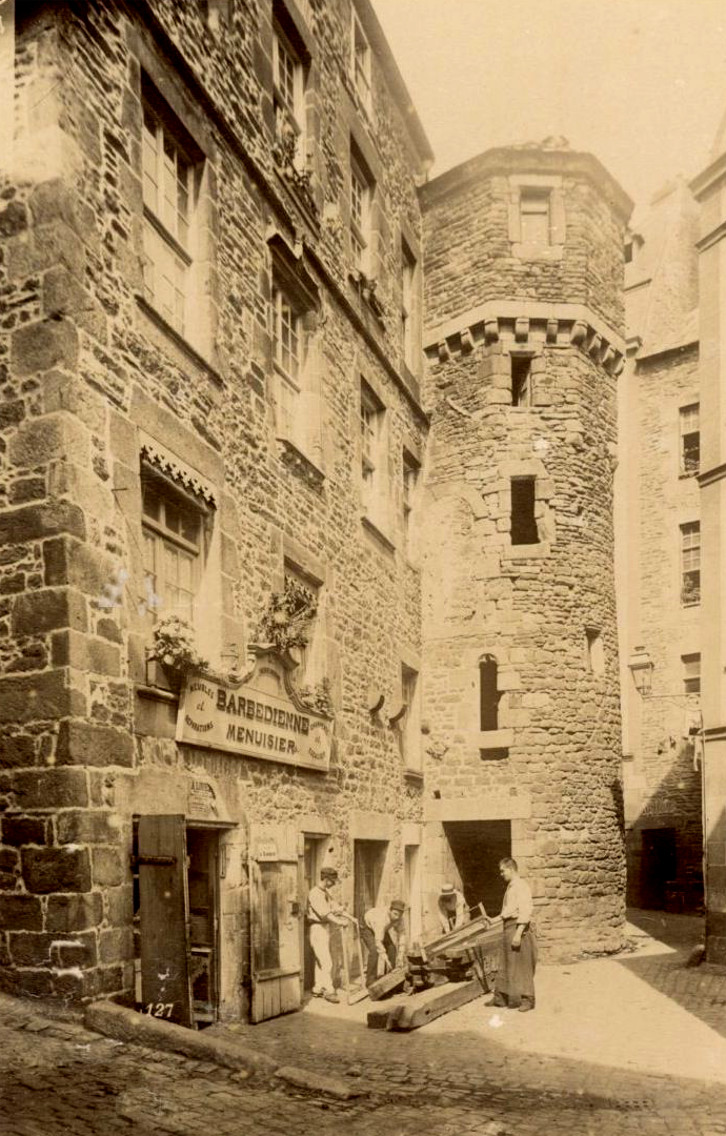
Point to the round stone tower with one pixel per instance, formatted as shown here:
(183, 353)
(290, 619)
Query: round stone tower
(523, 270)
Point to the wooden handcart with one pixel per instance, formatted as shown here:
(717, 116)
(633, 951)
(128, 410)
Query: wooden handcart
(476, 944)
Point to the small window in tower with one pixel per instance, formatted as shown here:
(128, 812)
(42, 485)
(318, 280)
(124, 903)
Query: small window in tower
(523, 522)
(595, 650)
(534, 216)
(628, 252)
(521, 380)
(489, 695)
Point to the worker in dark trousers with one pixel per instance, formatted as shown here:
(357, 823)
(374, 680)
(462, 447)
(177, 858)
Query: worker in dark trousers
(382, 932)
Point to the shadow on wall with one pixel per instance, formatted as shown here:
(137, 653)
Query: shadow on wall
(665, 841)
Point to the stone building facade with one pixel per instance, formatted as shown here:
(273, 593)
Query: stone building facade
(524, 337)
(214, 409)
(211, 278)
(658, 556)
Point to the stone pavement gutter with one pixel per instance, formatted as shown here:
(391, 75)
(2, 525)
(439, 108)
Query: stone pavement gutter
(140, 1029)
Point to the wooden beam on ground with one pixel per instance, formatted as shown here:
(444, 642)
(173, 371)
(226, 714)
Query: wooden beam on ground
(389, 983)
(416, 1010)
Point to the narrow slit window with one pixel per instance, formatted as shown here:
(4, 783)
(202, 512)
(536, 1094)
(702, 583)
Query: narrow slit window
(595, 651)
(521, 380)
(523, 522)
(488, 694)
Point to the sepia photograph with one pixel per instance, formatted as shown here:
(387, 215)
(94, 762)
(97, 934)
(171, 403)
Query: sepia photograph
(362, 567)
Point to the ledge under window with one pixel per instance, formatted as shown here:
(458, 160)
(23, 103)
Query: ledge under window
(178, 339)
(415, 776)
(300, 464)
(526, 551)
(371, 527)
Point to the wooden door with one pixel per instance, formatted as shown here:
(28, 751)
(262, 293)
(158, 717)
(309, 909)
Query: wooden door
(164, 918)
(369, 859)
(275, 915)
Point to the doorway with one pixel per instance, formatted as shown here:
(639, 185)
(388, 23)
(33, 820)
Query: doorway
(412, 891)
(658, 865)
(202, 885)
(369, 857)
(477, 847)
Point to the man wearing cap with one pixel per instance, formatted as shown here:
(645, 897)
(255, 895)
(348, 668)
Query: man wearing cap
(453, 912)
(382, 931)
(321, 915)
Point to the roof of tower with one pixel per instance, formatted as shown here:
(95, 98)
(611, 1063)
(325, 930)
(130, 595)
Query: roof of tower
(551, 156)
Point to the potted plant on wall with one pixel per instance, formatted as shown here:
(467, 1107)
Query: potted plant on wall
(174, 652)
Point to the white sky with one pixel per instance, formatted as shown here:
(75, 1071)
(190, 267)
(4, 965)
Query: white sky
(639, 83)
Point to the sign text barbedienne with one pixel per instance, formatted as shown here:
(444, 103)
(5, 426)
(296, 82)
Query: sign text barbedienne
(253, 721)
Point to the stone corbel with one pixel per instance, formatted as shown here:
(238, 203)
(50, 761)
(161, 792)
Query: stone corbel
(491, 331)
(578, 333)
(609, 358)
(467, 343)
(521, 329)
(444, 353)
(594, 346)
(552, 329)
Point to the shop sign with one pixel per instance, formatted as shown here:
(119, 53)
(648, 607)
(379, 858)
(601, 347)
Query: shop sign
(259, 717)
(202, 801)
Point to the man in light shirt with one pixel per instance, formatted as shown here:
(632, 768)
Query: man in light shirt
(322, 914)
(514, 986)
(382, 931)
(453, 912)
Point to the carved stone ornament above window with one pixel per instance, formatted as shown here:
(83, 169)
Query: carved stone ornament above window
(169, 466)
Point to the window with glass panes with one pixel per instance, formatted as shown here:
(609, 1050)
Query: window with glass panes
(690, 438)
(289, 84)
(534, 215)
(359, 216)
(287, 338)
(691, 674)
(168, 187)
(691, 563)
(361, 63)
(411, 725)
(172, 533)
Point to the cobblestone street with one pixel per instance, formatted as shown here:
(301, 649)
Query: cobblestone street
(58, 1079)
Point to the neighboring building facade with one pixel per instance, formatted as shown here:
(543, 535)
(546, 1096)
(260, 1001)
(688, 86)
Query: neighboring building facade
(709, 190)
(658, 556)
(213, 410)
(524, 335)
(211, 266)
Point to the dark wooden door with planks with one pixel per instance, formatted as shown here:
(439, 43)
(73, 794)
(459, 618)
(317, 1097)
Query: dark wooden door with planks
(164, 916)
(275, 872)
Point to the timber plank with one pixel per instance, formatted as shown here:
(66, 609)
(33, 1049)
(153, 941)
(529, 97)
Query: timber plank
(390, 982)
(417, 1009)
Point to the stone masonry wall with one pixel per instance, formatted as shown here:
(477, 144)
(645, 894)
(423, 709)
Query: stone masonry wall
(553, 765)
(663, 784)
(89, 372)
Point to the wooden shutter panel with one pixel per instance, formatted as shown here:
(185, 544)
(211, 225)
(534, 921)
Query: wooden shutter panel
(163, 911)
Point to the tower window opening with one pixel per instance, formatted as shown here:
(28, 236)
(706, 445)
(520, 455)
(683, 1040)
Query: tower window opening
(489, 695)
(521, 380)
(595, 650)
(523, 522)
